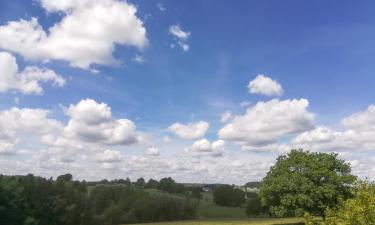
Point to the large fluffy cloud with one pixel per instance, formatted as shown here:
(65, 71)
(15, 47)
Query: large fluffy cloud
(265, 86)
(92, 122)
(364, 120)
(87, 33)
(29, 80)
(358, 134)
(17, 122)
(204, 147)
(267, 122)
(27, 120)
(191, 130)
(90, 127)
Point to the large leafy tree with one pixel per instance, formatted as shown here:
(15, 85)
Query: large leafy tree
(303, 181)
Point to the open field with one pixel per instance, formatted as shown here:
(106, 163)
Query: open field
(208, 209)
(262, 221)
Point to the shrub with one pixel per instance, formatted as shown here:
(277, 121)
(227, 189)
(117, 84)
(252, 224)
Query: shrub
(359, 210)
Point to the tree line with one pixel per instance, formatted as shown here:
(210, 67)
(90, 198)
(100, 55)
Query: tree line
(32, 200)
(300, 183)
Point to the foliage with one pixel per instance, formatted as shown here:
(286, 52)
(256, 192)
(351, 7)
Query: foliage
(126, 182)
(310, 220)
(227, 195)
(254, 207)
(253, 184)
(163, 207)
(30, 200)
(38, 201)
(170, 186)
(359, 210)
(209, 209)
(153, 184)
(140, 182)
(196, 192)
(303, 181)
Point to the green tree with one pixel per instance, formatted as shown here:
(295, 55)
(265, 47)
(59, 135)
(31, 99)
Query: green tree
(196, 192)
(167, 185)
(359, 210)
(254, 207)
(227, 195)
(306, 181)
(152, 184)
(65, 177)
(140, 183)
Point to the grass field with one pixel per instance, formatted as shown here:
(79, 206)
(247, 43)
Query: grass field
(265, 221)
(208, 209)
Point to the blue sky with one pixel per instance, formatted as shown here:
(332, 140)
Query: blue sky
(320, 51)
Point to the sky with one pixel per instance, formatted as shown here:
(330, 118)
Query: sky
(202, 91)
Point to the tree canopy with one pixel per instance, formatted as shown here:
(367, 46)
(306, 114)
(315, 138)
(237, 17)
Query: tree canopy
(227, 195)
(31, 200)
(304, 181)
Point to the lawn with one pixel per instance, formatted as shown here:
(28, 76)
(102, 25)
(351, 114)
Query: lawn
(263, 221)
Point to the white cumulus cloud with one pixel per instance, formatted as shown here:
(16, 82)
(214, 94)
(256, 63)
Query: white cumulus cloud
(92, 122)
(191, 130)
(358, 134)
(267, 122)
(265, 86)
(27, 81)
(204, 147)
(87, 33)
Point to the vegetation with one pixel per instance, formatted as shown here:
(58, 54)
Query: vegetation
(254, 207)
(259, 221)
(306, 182)
(359, 210)
(196, 192)
(300, 183)
(227, 195)
(253, 184)
(170, 186)
(31, 200)
(208, 209)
